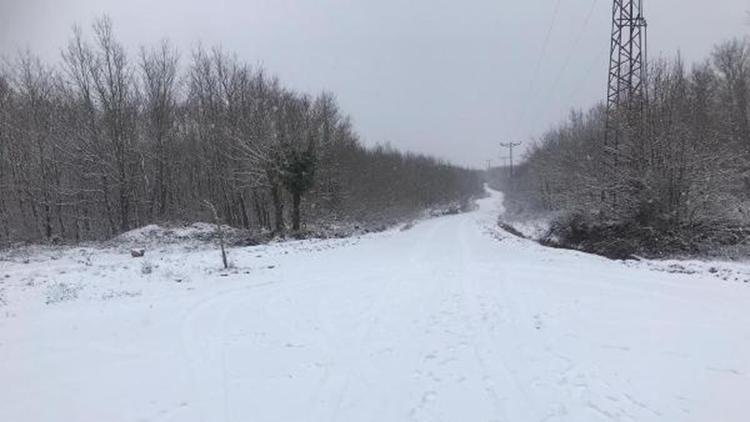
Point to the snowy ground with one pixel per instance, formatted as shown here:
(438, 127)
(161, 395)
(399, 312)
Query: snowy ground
(451, 320)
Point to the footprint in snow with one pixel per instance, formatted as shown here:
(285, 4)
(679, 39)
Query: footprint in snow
(538, 322)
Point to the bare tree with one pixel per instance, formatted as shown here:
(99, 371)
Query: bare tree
(161, 89)
(100, 146)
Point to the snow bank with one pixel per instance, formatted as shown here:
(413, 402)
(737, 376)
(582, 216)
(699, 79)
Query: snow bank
(720, 270)
(534, 229)
(202, 232)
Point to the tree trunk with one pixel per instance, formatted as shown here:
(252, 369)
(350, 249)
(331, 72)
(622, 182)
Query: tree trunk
(108, 207)
(47, 220)
(261, 211)
(296, 199)
(278, 207)
(243, 211)
(124, 209)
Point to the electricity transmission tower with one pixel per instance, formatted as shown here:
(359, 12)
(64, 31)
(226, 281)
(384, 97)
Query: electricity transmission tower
(627, 68)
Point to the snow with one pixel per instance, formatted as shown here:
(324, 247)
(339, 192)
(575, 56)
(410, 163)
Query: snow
(535, 229)
(451, 320)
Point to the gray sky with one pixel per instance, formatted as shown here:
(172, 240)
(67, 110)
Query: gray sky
(448, 78)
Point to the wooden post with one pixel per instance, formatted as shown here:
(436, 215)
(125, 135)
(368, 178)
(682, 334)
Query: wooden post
(219, 231)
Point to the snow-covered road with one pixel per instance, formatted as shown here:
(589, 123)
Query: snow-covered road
(451, 320)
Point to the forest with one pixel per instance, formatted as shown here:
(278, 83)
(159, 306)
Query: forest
(680, 183)
(106, 141)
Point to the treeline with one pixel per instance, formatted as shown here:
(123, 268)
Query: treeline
(678, 181)
(104, 142)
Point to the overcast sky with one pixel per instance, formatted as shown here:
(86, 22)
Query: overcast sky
(448, 78)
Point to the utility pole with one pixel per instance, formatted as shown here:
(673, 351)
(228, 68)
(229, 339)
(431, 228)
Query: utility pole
(510, 146)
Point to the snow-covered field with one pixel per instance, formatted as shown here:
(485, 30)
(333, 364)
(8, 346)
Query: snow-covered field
(451, 320)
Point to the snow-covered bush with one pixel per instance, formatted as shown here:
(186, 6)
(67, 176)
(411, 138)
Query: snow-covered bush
(146, 268)
(61, 292)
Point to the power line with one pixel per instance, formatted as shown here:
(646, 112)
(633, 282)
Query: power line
(532, 82)
(589, 70)
(577, 40)
(569, 56)
(586, 74)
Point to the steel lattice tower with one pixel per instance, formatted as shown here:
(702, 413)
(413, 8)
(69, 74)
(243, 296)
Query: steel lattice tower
(627, 66)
